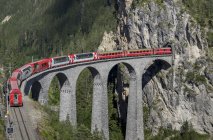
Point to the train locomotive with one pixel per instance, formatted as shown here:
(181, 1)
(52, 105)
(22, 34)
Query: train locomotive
(15, 95)
(20, 74)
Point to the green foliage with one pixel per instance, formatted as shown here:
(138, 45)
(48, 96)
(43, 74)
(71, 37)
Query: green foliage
(52, 27)
(145, 115)
(54, 92)
(162, 134)
(137, 3)
(202, 11)
(85, 134)
(195, 77)
(2, 134)
(210, 53)
(50, 128)
(84, 98)
(186, 133)
(115, 132)
(210, 38)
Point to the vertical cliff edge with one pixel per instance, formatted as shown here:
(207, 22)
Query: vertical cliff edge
(169, 98)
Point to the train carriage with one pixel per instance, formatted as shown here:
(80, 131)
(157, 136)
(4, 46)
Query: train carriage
(83, 57)
(41, 65)
(26, 71)
(161, 51)
(110, 55)
(15, 95)
(140, 52)
(17, 75)
(58, 61)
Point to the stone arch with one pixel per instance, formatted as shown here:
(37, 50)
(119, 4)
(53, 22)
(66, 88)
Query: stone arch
(36, 90)
(93, 70)
(65, 95)
(96, 96)
(62, 78)
(125, 98)
(152, 68)
(130, 68)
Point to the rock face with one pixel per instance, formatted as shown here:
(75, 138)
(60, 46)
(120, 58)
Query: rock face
(187, 94)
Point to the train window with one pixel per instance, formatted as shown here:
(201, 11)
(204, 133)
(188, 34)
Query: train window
(61, 59)
(15, 96)
(36, 66)
(18, 76)
(27, 69)
(82, 56)
(44, 64)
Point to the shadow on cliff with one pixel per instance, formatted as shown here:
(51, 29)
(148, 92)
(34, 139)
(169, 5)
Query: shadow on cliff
(152, 70)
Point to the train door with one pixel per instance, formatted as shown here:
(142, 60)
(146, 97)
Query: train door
(15, 99)
(36, 67)
(95, 55)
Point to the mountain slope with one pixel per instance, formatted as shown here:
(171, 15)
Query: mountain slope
(53, 27)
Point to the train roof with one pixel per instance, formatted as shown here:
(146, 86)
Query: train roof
(110, 52)
(15, 73)
(59, 56)
(25, 66)
(83, 53)
(13, 83)
(146, 49)
(42, 60)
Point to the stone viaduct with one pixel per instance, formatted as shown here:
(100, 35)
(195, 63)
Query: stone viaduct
(68, 75)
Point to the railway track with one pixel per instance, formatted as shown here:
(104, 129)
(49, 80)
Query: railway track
(21, 129)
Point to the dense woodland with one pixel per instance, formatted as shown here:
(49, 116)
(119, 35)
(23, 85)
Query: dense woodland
(41, 29)
(45, 28)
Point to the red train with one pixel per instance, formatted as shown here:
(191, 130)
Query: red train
(29, 69)
(15, 96)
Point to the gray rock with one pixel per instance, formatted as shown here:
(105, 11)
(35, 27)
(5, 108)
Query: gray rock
(171, 100)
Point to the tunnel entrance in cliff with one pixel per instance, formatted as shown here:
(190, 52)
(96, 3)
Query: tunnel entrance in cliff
(118, 92)
(156, 80)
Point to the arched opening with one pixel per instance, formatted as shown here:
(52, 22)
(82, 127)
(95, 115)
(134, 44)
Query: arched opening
(153, 70)
(59, 96)
(54, 92)
(84, 94)
(156, 81)
(119, 81)
(35, 90)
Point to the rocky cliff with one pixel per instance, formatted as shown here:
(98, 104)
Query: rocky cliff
(170, 98)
